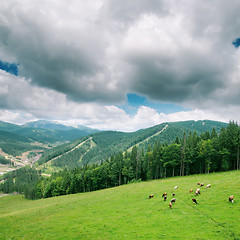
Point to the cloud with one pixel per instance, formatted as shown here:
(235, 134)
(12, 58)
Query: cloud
(171, 64)
(84, 57)
(21, 102)
(147, 117)
(61, 46)
(101, 50)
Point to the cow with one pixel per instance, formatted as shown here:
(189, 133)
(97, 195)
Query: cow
(151, 196)
(197, 192)
(165, 198)
(164, 194)
(173, 200)
(230, 198)
(194, 200)
(170, 205)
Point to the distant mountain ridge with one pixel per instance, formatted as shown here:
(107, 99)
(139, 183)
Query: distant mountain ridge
(15, 139)
(43, 124)
(9, 127)
(54, 125)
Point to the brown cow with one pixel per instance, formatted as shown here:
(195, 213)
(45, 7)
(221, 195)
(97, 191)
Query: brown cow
(164, 194)
(151, 196)
(170, 205)
(230, 198)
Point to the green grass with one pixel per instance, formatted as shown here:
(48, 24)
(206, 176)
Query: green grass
(125, 212)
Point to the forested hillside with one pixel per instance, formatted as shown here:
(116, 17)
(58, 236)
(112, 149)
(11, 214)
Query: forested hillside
(22, 145)
(105, 144)
(15, 144)
(16, 139)
(189, 154)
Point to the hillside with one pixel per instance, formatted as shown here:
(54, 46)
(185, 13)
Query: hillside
(5, 126)
(47, 132)
(104, 144)
(125, 212)
(51, 136)
(15, 144)
(23, 144)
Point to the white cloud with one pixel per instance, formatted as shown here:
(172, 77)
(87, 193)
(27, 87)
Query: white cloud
(117, 119)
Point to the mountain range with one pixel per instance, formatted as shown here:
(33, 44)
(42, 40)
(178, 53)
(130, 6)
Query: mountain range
(15, 139)
(98, 147)
(58, 146)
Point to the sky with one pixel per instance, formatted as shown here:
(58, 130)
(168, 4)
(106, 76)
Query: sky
(119, 65)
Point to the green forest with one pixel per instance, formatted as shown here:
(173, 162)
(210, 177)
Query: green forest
(107, 143)
(189, 154)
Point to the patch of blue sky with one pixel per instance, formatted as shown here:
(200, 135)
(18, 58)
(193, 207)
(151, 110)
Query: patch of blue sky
(236, 43)
(9, 67)
(134, 101)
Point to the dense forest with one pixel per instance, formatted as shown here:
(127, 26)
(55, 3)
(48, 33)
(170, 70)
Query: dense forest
(3, 160)
(102, 145)
(22, 181)
(188, 154)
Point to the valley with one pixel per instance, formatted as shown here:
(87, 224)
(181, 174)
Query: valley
(22, 145)
(26, 158)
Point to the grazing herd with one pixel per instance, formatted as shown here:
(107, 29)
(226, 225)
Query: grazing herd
(194, 200)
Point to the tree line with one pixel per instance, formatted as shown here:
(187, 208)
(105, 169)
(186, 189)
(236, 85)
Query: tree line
(189, 154)
(22, 180)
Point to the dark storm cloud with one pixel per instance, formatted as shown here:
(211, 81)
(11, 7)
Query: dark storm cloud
(181, 79)
(188, 58)
(60, 46)
(98, 51)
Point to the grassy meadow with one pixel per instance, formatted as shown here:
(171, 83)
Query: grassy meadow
(125, 212)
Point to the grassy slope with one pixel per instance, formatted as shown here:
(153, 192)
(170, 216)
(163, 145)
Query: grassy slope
(125, 212)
